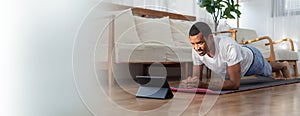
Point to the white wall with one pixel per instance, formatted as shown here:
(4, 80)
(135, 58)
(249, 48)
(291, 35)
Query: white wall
(256, 15)
(184, 6)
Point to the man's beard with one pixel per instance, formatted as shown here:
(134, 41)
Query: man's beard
(201, 52)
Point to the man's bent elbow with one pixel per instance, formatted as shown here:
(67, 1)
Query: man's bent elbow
(236, 86)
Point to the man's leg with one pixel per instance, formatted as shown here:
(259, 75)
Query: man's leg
(282, 67)
(286, 70)
(276, 67)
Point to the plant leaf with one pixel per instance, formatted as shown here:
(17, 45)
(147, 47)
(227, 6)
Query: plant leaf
(210, 10)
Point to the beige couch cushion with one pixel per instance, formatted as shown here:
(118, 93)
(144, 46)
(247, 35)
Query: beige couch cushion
(180, 32)
(284, 54)
(125, 29)
(157, 30)
(151, 42)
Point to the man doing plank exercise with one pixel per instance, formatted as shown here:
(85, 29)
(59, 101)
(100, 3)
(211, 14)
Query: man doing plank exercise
(228, 58)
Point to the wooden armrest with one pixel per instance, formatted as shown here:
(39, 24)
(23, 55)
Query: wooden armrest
(258, 39)
(158, 14)
(272, 54)
(283, 40)
(227, 31)
(232, 31)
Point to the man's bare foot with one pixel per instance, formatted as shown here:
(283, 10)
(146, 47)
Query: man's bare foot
(286, 70)
(278, 76)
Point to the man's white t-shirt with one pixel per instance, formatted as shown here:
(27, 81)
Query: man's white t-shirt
(227, 53)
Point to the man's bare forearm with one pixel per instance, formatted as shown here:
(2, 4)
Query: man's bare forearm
(198, 71)
(227, 84)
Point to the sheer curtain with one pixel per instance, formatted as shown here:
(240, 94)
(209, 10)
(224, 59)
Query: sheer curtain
(286, 24)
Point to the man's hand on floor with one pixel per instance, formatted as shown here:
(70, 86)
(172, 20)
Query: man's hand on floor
(190, 82)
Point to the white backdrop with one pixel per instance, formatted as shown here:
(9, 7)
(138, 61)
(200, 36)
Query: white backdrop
(36, 77)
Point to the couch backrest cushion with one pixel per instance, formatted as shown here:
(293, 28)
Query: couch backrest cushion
(154, 30)
(180, 31)
(125, 28)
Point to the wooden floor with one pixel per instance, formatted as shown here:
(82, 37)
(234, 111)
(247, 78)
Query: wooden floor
(274, 101)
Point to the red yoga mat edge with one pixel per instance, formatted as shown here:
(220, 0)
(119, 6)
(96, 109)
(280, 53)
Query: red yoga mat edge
(194, 90)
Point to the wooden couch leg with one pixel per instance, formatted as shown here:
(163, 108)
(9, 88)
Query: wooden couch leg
(295, 69)
(185, 71)
(208, 74)
(111, 79)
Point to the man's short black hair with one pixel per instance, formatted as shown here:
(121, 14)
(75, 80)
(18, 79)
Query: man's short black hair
(200, 27)
(194, 30)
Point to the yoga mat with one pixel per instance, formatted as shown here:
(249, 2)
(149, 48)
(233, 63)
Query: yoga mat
(194, 90)
(246, 84)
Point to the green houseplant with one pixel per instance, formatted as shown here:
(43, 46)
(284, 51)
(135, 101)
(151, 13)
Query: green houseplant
(220, 9)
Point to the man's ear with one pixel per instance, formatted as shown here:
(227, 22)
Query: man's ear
(210, 42)
(210, 36)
